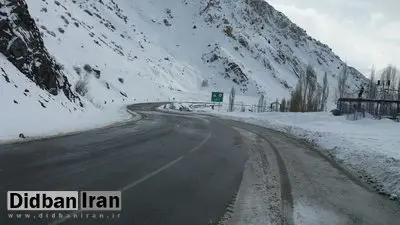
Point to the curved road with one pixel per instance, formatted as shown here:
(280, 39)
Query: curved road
(187, 169)
(171, 169)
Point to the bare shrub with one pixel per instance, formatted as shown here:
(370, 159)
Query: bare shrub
(229, 32)
(78, 70)
(232, 99)
(81, 86)
(261, 107)
(243, 108)
(342, 80)
(325, 93)
(97, 73)
(283, 105)
(87, 68)
(307, 95)
(204, 83)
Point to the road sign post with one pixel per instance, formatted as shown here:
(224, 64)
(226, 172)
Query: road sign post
(217, 96)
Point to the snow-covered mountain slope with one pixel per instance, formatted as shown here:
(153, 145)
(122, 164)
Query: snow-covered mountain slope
(146, 48)
(26, 109)
(153, 50)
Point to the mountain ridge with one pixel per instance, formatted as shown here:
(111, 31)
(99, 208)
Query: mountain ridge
(159, 50)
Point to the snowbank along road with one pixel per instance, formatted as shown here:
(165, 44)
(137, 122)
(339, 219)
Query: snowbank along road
(189, 169)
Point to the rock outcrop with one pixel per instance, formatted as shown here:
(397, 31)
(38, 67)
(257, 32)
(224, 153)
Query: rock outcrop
(21, 43)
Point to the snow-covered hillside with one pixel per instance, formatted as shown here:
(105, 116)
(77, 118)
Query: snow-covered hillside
(153, 48)
(28, 110)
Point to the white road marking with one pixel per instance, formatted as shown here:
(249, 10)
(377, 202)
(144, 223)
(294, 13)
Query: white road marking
(148, 176)
(201, 143)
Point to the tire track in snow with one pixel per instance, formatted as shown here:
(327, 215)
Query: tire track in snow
(286, 187)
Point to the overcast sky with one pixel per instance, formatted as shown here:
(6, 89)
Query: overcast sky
(361, 32)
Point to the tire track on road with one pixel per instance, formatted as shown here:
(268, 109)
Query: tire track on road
(286, 187)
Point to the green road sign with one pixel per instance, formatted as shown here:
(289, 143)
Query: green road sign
(217, 97)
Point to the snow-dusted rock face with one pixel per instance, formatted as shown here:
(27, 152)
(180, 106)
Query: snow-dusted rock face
(282, 49)
(151, 50)
(21, 43)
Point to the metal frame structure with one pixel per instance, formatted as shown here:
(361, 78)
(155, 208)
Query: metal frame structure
(381, 108)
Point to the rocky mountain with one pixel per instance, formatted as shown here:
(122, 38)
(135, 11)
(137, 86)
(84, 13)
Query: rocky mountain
(141, 50)
(21, 43)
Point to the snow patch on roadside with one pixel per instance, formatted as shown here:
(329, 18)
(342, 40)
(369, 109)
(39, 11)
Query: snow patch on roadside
(368, 147)
(51, 126)
(33, 112)
(258, 199)
(305, 214)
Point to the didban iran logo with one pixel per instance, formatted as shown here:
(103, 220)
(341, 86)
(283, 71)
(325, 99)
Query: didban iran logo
(64, 200)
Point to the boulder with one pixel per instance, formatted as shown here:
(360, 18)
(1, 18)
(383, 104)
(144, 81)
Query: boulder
(335, 112)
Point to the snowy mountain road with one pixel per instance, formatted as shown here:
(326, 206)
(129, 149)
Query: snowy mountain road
(180, 169)
(170, 169)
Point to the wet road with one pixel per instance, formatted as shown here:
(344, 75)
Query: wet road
(171, 169)
(176, 169)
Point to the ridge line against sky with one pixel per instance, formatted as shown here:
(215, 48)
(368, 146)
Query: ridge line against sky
(362, 32)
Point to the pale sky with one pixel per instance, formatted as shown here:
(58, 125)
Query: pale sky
(361, 32)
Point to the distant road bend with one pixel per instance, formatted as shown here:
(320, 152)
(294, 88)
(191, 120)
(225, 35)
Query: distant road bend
(177, 169)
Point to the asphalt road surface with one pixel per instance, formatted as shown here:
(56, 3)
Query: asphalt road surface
(185, 170)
